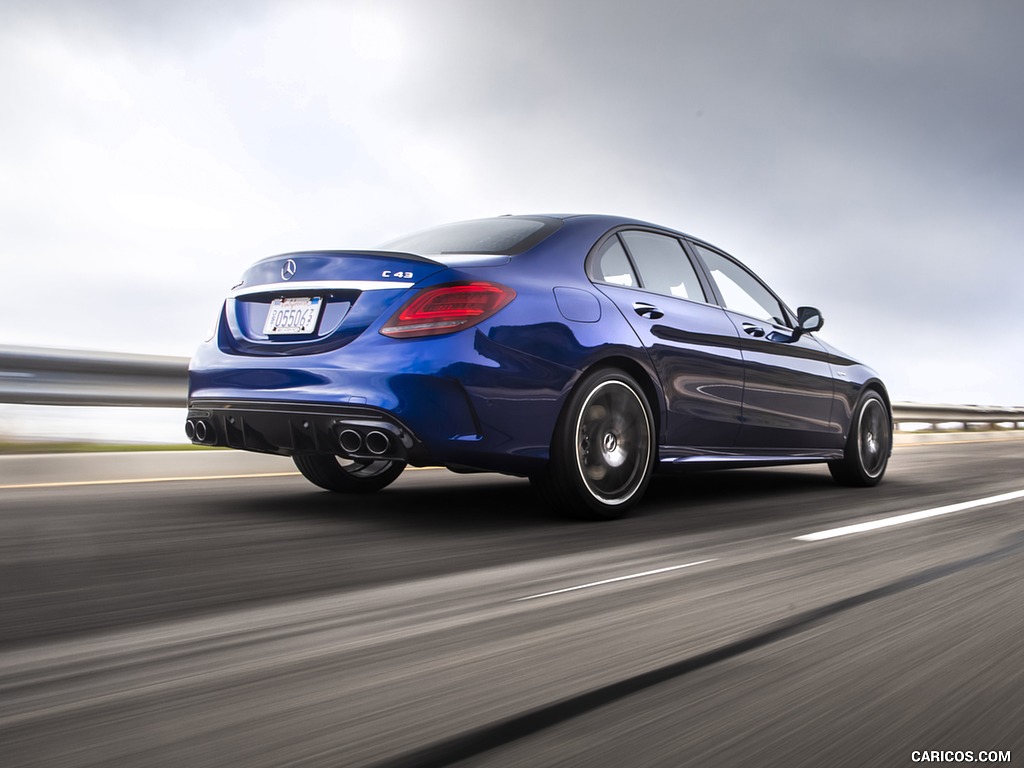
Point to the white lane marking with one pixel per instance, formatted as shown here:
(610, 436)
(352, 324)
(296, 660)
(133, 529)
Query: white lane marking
(136, 480)
(617, 578)
(846, 530)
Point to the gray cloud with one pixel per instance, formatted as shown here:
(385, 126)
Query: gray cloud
(865, 157)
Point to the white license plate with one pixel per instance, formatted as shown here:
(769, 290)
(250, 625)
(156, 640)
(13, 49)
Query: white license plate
(292, 316)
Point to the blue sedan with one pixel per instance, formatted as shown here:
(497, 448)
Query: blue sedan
(584, 352)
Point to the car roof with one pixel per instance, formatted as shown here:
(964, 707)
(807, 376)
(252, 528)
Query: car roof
(611, 220)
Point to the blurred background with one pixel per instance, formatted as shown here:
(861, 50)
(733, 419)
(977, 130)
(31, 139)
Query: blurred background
(213, 609)
(863, 158)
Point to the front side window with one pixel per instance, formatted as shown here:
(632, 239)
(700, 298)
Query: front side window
(741, 291)
(663, 265)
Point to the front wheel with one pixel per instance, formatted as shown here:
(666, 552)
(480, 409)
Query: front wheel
(868, 446)
(335, 473)
(602, 454)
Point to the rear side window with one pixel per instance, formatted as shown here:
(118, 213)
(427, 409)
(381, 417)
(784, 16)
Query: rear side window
(612, 265)
(663, 265)
(505, 236)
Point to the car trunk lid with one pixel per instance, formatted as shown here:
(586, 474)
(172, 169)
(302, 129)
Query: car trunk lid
(301, 303)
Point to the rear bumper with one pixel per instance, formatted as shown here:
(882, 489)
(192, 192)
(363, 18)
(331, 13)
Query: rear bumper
(464, 401)
(352, 431)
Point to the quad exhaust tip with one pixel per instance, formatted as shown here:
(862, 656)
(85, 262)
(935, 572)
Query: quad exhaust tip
(377, 443)
(350, 441)
(197, 429)
(353, 442)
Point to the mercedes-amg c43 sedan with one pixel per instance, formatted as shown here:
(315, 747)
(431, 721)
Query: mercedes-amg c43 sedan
(583, 352)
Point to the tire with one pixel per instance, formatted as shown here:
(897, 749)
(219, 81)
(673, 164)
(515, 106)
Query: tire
(602, 453)
(868, 445)
(348, 475)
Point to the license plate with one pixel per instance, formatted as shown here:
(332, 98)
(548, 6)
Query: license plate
(292, 316)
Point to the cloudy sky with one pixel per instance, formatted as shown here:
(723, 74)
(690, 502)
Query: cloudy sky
(866, 158)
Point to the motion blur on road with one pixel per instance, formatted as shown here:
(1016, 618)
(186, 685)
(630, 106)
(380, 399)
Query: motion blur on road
(216, 610)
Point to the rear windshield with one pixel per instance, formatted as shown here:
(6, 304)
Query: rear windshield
(504, 236)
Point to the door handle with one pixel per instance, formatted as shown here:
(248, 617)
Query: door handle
(753, 330)
(649, 311)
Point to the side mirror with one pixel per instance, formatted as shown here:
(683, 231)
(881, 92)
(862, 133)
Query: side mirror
(808, 320)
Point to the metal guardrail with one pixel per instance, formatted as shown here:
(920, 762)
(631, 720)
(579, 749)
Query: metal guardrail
(30, 376)
(965, 415)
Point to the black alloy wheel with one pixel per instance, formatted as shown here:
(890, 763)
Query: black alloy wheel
(335, 473)
(603, 451)
(868, 445)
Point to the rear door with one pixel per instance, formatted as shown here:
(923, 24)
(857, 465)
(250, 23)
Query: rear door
(789, 389)
(692, 343)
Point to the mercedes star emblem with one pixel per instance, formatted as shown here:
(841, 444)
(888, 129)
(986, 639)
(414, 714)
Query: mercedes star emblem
(288, 270)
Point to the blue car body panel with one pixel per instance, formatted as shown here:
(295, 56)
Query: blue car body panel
(489, 397)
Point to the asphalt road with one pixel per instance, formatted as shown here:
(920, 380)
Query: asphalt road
(258, 621)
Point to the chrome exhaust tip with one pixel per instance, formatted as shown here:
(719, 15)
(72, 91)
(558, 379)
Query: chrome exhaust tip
(350, 440)
(201, 431)
(377, 443)
(190, 429)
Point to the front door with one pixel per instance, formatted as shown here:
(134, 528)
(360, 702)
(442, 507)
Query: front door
(788, 387)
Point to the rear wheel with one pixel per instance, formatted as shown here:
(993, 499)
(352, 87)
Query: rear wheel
(335, 473)
(602, 454)
(868, 445)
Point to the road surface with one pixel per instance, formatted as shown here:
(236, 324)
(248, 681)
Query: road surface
(239, 616)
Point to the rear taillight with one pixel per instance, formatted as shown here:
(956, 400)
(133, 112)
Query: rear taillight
(447, 308)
